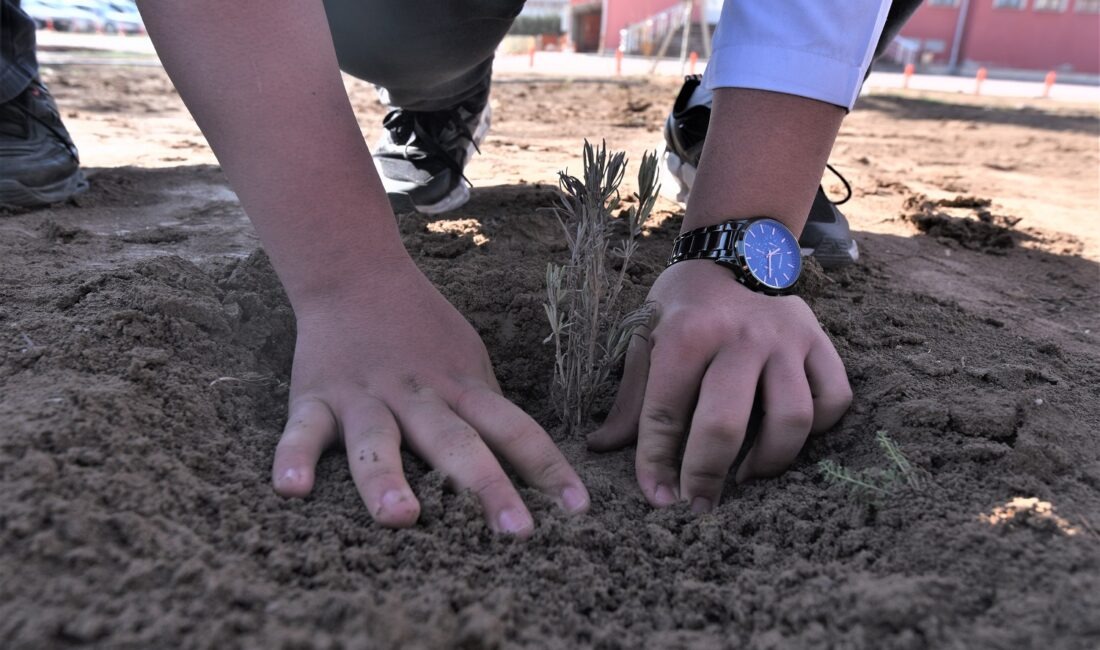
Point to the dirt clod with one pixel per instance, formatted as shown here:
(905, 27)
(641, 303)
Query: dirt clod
(981, 230)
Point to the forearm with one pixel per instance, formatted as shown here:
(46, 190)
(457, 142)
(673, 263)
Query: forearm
(262, 81)
(763, 156)
(765, 151)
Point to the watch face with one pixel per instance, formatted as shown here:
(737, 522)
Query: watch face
(772, 254)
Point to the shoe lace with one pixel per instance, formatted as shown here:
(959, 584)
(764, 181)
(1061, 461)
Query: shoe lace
(844, 181)
(429, 134)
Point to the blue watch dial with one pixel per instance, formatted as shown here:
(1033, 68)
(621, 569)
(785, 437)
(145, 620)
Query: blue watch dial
(772, 253)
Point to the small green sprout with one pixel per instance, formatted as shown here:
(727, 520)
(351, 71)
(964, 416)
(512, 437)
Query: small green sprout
(877, 482)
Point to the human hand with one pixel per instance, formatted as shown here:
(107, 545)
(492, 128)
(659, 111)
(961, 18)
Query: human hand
(696, 373)
(397, 363)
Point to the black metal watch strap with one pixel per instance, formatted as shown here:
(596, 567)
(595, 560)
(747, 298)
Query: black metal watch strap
(709, 242)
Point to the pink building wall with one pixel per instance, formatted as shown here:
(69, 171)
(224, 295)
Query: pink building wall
(1067, 40)
(1026, 39)
(623, 13)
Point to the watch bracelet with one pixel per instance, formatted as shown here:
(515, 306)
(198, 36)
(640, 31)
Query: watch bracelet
(708, 242)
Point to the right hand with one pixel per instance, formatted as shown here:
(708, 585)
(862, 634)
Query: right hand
(397, 363)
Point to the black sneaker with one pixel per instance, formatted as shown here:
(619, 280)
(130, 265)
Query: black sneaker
(422, 154)
(38, 161)
(826, 235)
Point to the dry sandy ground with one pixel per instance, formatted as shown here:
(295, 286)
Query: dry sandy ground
(145, 349)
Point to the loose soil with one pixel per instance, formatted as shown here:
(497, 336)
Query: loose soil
(145, 347)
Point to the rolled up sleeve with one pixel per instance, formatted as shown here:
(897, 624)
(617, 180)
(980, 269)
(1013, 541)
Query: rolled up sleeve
(819, 49)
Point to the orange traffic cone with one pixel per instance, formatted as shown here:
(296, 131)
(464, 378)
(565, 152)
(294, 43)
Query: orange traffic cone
(1049, 82)
(978, 79)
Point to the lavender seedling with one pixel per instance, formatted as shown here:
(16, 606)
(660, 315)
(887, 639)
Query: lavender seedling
(587, 324)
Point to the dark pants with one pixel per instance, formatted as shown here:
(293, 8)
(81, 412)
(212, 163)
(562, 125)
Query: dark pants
(18, 65)
(422, 54)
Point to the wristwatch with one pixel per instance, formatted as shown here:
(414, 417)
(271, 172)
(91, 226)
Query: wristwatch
(762, 253)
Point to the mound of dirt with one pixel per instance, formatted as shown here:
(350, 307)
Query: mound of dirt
(981, 230)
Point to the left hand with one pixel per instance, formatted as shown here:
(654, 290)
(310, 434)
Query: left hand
(695, 375)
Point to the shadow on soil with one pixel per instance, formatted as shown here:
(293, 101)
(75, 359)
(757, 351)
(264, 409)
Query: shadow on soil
(912, 108)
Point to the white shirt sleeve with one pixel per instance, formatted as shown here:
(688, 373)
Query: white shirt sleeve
(819, 49)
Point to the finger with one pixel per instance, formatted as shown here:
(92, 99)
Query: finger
(373, 443)
(621, 426)
(310, 429)
(493, 383)
(788, 416)
(454, 448)
(515, 436)
(832, 395)
(671, 389)
(718, 429)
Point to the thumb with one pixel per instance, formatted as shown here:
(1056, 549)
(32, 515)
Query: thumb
(615, 433)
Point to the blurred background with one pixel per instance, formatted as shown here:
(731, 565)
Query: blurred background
(1021, 39)
(98, 16)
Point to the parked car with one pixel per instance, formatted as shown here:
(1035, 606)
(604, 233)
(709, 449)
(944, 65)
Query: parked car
(120, 17)
(63, 16)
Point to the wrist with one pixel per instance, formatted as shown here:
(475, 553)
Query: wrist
(793, 219)
(761, 253)
(763, 157)
(334, 285)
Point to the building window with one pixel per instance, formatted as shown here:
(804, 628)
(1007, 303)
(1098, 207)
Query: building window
(944, 3)
(1051, 5)
(1087, 6)
(1010, 4)
(935, 46)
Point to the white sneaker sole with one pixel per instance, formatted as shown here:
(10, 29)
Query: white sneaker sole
(682, 173)
(834, 253)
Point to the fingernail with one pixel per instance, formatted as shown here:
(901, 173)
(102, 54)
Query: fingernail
(701, 505)
(291, 476)
(393, 498)
(574, 499)
(664, 496)
(515, 521)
